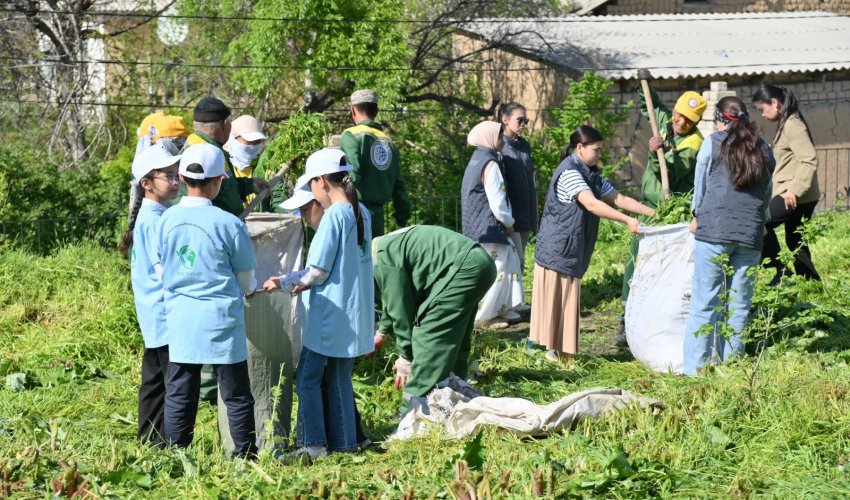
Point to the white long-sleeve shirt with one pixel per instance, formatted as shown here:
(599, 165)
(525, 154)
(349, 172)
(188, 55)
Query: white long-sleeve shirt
(497, 196)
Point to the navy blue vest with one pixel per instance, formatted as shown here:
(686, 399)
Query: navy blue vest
(568, 231)
(519, 180)
(479, 223)
(726, 214)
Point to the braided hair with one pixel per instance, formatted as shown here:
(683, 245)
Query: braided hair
(126, 242)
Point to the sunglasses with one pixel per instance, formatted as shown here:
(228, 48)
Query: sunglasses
(522, 120)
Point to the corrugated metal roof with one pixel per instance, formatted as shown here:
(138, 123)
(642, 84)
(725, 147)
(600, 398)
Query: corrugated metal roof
(680, 45)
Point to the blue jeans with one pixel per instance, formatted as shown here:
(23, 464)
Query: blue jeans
(708, 285)
(325, 402)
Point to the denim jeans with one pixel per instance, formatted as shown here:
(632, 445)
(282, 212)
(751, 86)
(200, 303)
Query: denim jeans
(708, 285)
(335, 406)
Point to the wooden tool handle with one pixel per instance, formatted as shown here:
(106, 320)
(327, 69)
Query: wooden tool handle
(662, 162)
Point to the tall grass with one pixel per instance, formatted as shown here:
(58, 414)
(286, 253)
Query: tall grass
(70, 351)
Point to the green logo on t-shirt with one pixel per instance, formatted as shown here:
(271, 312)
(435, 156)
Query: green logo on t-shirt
(187, 256)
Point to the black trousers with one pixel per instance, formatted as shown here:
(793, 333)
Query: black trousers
(181, 404)
(792, 220)
(152, 396)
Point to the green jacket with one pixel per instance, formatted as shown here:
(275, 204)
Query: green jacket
(234, 189)
(264, 170)
(376, 168)
(680, 153)
(412, 267)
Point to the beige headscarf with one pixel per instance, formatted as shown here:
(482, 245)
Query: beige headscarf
(485, 135)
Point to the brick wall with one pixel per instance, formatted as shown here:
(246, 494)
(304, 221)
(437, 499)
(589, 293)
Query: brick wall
(824, 101)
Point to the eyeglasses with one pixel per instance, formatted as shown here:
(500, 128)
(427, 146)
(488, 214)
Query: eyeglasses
(522, 120)
(168, 177)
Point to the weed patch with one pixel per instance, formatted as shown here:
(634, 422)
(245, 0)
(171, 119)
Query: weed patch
(69, 370)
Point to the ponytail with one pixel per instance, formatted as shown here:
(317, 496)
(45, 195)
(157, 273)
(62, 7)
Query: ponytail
(507, 109)
(345, 181)
(583, 135)
(127, 238)
(741, 148)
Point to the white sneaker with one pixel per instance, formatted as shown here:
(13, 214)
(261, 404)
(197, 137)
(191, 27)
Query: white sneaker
(304, 455)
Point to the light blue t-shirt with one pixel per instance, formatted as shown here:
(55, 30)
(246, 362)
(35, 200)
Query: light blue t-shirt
(202, 248)
(147, 289)
(339, 319)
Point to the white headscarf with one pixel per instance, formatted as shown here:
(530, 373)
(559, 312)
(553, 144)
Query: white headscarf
(485, 135)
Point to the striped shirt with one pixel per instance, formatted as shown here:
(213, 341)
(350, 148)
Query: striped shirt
(571, 183)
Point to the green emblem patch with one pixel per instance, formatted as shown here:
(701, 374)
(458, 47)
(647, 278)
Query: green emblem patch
(187, 257)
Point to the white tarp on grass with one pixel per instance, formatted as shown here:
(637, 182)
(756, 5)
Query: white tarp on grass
(459, 410)
(659, 299)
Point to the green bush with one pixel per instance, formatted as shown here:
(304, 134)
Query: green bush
(34, 188)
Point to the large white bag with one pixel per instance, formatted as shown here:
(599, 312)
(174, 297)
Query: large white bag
(659, 298)
(273, 329)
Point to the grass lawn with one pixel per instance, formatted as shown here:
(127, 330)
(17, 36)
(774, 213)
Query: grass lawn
(773, 425)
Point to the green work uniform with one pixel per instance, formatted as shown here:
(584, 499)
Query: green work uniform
(234, 190)
(681, 157)
(431, 281)
(680, 154)
(376, 170)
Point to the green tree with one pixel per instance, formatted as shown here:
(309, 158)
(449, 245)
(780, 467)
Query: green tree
(587, 103)
(311, 49)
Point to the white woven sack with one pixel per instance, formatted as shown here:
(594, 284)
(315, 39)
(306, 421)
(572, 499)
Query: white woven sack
(659, 299)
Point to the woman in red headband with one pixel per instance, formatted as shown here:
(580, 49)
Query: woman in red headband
(731, 194)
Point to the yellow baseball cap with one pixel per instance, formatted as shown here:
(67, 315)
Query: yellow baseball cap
(161, 125)
(691, 105)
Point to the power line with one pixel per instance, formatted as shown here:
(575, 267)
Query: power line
(276, 109)
(346, 110)
(743, 16)
(168, 64)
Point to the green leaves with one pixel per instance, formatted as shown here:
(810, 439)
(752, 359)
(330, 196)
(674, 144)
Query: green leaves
(673, 210)
(130, 476)
(299, 136)
(473, 452)
(586, 103)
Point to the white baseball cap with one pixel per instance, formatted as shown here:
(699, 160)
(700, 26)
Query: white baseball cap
(152, 158)
(209, 157)
(325, 161)
(300, 197)
(247, 127)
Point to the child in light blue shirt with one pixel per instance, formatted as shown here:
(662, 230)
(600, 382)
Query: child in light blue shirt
(208, 264)
(338, 323)
(156, 182)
